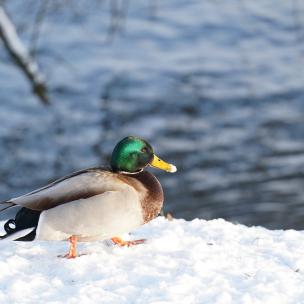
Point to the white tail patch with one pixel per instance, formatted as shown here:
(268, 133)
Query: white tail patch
(18, 234)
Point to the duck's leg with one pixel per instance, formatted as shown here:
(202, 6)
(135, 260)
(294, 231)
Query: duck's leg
(120, 242)
(73, 248)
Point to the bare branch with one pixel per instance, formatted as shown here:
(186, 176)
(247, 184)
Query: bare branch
(21, 57)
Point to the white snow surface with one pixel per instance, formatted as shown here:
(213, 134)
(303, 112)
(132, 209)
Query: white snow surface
(182, 262)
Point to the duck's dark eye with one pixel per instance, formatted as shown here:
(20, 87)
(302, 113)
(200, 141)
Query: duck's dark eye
(144, 150)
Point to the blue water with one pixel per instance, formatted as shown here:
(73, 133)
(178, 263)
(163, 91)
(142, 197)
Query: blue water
(216, 87)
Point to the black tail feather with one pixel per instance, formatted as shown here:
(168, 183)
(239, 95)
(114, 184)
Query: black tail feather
(23, 227)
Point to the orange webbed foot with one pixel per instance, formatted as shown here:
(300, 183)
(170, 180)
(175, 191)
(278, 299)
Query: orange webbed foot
(120, 242)
(67, 256)
(72, 254)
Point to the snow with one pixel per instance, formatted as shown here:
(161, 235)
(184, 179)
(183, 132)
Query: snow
(182, 262)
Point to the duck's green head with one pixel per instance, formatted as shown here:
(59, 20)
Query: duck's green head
(132, 154)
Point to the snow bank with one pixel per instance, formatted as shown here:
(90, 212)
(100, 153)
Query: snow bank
(182, 262)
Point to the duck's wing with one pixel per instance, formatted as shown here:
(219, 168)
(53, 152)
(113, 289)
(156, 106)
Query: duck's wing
(79, 185)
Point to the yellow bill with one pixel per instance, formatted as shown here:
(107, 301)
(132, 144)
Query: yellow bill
(160, 164)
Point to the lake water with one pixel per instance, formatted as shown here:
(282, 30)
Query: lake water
(217, 88)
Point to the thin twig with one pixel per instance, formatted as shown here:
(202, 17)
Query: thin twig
(39, 18)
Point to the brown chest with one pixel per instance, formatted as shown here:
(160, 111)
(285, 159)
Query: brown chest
(150, 193)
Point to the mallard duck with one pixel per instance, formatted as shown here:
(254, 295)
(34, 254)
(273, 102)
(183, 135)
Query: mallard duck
(92, 204)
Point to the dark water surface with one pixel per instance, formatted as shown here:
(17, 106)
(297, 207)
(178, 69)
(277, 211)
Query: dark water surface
(217, 87)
